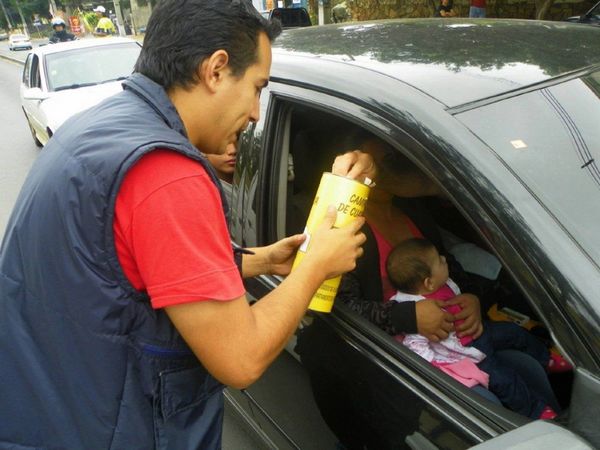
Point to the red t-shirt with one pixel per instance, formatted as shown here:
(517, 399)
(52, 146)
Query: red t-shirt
(170, 232)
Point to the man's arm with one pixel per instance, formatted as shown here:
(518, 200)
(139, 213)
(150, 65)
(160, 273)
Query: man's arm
(235, 341)
(275, 259)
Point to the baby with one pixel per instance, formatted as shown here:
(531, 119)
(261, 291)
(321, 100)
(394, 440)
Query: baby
(418, 272)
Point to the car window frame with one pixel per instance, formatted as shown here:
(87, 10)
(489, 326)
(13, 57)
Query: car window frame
(35, 78)
(364, 332)
(397, 133)
(26, 77)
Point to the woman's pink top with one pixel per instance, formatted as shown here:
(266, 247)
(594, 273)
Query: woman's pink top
(385, 248)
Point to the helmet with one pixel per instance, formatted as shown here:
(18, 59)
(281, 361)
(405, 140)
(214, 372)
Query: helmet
(58, 21)
(100, 9)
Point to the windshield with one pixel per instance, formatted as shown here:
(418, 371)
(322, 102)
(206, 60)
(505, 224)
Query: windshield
(15, 37)
(89, 66)
(550, 139)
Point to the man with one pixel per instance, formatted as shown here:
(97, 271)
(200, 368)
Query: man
(104, 26)
(122, 312)
(60, 33)
(339, 13)
(477, 9)
(445, 9)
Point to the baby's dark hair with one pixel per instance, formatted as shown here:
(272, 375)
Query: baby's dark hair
(406, 265)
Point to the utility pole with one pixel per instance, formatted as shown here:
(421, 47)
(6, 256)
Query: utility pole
(120, 21)
(25, 30)
(10, 27)
(53, 8)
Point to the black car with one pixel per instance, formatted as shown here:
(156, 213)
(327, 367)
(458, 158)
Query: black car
(289, 17)
(502, 115)
(592, 17)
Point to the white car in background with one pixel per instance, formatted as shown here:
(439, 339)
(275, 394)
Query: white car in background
(19, 42)
(62, 79)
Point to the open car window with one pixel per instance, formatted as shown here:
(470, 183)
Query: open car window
(308, 143)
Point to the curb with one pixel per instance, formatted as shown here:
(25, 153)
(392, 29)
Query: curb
(10, 58)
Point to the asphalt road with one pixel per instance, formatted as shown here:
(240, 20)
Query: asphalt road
(17, 153)
(17, 150)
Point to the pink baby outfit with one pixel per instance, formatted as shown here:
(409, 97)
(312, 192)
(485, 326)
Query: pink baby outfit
(450, 355)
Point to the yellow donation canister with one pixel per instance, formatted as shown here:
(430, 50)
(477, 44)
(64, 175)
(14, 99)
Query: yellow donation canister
(350, 198)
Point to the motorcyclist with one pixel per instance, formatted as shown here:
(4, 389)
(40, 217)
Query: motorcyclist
(60, 33)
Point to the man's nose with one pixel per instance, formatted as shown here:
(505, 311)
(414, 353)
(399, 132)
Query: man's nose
(255, 113)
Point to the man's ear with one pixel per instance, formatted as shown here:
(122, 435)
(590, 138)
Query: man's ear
(212, 71)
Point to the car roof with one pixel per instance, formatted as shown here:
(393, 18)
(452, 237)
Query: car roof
(81, 43)
(455, 61)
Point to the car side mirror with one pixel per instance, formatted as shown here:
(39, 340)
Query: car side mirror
(35, 94)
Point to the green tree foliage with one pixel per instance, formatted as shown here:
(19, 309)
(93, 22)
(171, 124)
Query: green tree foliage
(29, 8)
(91, 20)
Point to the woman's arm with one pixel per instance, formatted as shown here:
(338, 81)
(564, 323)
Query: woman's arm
(425, 317)
(377, 312)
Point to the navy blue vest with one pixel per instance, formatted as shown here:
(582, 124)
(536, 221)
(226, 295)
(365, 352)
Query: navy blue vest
(85, 362)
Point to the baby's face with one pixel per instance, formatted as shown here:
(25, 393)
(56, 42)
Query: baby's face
(439, 269)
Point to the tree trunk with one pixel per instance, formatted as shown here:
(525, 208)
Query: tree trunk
(8, 22)
(542, 7)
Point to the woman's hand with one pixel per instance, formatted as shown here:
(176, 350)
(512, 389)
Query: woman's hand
(432, 321)
(470, 313)
(356, 165)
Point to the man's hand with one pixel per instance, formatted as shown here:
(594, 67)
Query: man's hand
(334, 250)
(470, 313)
(356, 165)
(281, 254)
(432, 321)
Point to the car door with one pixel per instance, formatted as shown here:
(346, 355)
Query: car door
(279, 408)
(361, 379)
(370, 390)
(26, 83)
(32, 79)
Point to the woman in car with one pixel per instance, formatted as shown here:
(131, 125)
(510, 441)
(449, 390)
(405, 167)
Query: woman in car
(394, 214)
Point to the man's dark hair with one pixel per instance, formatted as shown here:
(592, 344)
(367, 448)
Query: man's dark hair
(407, 266)
(182, 33)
